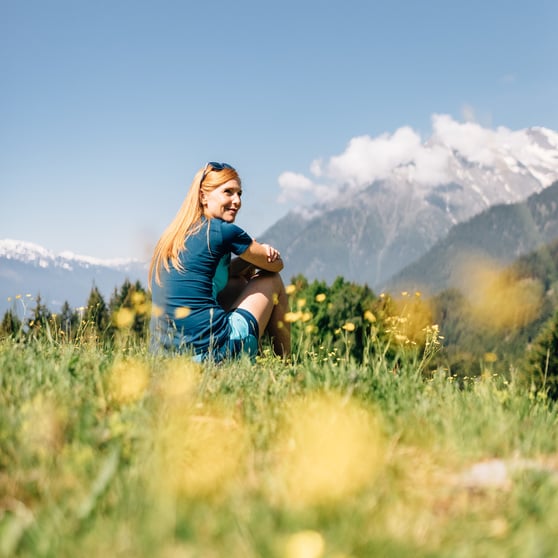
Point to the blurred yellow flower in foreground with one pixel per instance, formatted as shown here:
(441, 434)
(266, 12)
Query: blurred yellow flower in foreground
(197, 454)
(180, 379)
(43, 426)
(181, 312)
(369, 316)
(124, 318)
(328, 449)
(290, 289)
(156, 311)
(490, 357)
(128, 380)
(320, 297)
(291, 317)
(305, 544)
(349, 326)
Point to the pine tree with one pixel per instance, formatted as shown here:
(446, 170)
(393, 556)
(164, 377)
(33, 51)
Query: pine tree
(40, 321)
(97, 315)
(11, 324)
(68, 321)
(131, 301)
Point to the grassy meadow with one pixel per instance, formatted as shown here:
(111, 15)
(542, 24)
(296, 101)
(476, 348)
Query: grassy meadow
(117, 452)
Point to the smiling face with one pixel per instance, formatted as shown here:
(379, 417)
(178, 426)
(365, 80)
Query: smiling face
(223, 202)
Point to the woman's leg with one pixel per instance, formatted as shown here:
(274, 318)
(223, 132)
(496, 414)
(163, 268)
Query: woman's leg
(265, 297)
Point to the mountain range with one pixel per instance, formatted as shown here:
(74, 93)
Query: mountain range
(493, 239)
(28, 270)
(371, 233)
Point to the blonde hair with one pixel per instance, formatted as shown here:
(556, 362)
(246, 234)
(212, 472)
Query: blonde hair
(188, 220)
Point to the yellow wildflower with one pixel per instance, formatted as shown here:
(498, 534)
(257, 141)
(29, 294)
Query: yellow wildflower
(293, 316)
(369, 316)
(305, 544)
(181, 312)
(290, 289)
(124, 318)
(320, 297)
(490, 357)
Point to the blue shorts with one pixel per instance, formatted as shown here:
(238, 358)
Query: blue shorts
(244, 334)
(243, 338)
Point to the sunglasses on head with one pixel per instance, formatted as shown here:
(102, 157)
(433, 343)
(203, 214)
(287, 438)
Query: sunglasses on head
(214, 166)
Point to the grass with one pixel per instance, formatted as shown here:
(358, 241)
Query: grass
(126, 454)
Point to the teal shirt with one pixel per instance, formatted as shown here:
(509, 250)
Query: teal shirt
(186, 315)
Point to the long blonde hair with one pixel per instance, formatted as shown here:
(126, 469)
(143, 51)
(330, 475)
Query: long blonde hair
(187, 221)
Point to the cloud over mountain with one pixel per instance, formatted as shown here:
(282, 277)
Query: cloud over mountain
(404, 155)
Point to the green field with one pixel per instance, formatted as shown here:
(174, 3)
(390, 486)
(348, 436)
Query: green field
(120, 453)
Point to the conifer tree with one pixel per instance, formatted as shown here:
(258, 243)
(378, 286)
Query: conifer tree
(68, 321)
(39, 323)
(11, 324)
(97, 314)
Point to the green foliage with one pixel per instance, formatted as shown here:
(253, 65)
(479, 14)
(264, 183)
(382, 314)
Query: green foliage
(107, 451)
(39, 324)
(68, 321)
(470, 324)
(331, 316)
(11, 325)
(542, 371)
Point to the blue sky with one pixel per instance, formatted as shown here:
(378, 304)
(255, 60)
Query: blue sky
(108, 107)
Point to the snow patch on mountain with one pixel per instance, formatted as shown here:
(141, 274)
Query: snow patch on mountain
(493, 166)
(31, 253)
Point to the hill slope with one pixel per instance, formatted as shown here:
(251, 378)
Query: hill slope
(494, 238)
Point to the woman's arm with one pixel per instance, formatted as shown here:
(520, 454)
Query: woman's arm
(241, 268)
(263, 256)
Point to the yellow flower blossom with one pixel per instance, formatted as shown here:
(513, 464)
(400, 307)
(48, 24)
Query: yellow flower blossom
(320, 297)
(181, 312)
(349, 326)
(138, 298)
(305, 544)
(156, 311)
(128, 381)
(301, 302)
(490, 357)
(290, 289)
(124, 318)
(369, 316)
(291, 317)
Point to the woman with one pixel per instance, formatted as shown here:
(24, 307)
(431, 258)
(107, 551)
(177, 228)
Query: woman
(191, 270)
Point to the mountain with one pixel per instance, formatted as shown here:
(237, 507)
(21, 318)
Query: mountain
(493, 239)
(29, 270)
(368, 234)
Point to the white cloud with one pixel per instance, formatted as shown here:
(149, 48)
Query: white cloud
(297, 187)
(367, 159)
(405, 155)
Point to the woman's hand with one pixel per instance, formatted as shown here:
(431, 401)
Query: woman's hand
(263, 256)
(272, 253)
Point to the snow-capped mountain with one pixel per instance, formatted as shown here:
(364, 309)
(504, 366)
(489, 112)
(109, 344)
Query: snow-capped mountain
(29, 270)
(371, 229)
(34, 254)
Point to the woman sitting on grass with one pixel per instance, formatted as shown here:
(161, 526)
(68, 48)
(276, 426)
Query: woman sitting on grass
(203, 302)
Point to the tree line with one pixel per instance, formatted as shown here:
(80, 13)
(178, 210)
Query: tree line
(341, 320)
(128, 310)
